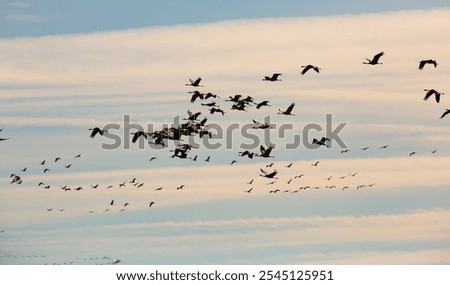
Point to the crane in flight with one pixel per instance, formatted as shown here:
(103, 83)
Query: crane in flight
(273, 78)
(195, 83)
(288, 111)
(422, 63)
(308, 67)
(375, 59)
(431, 92)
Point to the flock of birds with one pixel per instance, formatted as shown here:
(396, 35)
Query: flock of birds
(195, 125)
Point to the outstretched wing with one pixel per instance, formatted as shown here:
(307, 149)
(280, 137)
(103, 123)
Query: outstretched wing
(262, 149)
(306, 68)
(377, 56)
(197, 82)
(429, 93)
(275, 76)
(290, 108)
(445, 113)
(264, 172)
(422, 64)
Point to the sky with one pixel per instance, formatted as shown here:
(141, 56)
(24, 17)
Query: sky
(68, 66)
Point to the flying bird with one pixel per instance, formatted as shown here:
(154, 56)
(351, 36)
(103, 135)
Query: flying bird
(195, 83)
(268, 175)
(422, 63)
(192, 116)
(111, 203)
(431, 92)
(265, 152)
(412, 153)
(375, 59)
(196, 94)
(447, 111)
(288, 110)
(263, 103)
(137, 135)
(217, 110)
(247, 153)
(322, 141)
(308, 67)
(96, 131)
(273, 78)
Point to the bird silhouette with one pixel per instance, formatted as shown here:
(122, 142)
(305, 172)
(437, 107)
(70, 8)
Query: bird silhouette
(422, 63)
(58, 158)
(195, 83)
(207, 159)
(315, 163)
(268, 175)
(96, 131)
(111, 203)
(152, 158)
(217, 110)
(249, 190)
(193, 116)
(308, 67)
(412, 153)
(263, 103)
(375, 59)
(151, 204)
(78, 155)
(431, 92)
(68, 165)
(265, 152)
(196, 94)
(322, 141)
(137, 135)
(274, 77)
(288, 110)
(247, 153)
(180, 187)
(447, 111)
